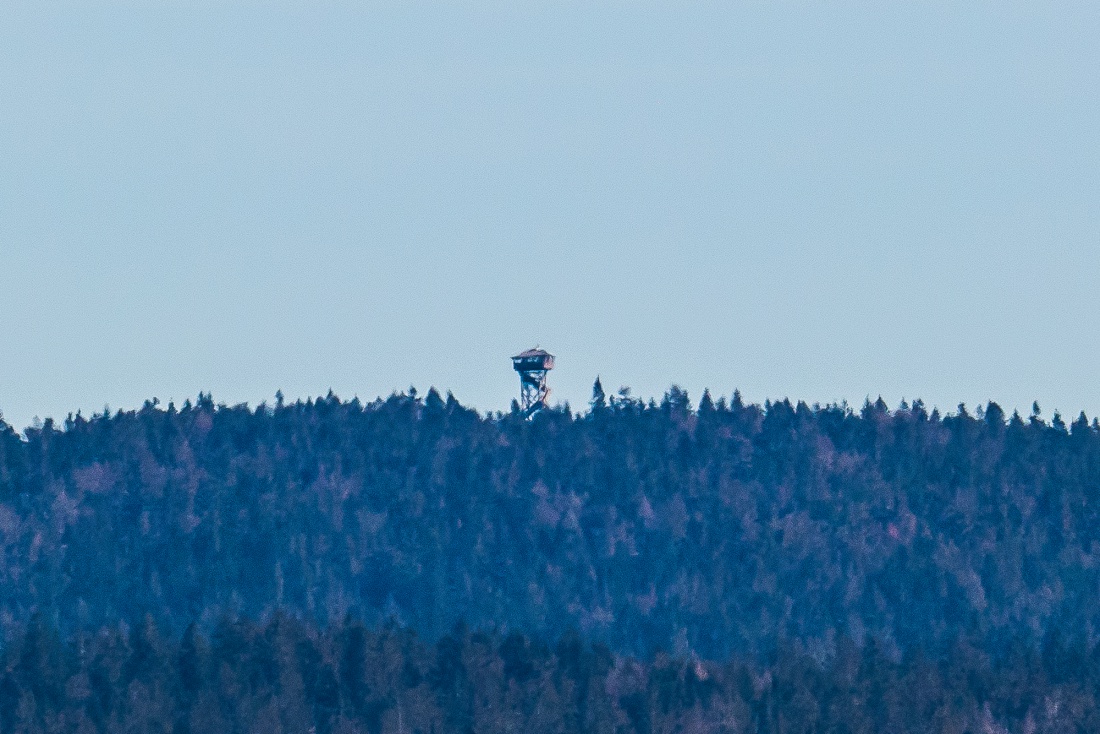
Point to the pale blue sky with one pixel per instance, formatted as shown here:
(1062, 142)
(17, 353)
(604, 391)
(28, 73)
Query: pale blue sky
(791, 199)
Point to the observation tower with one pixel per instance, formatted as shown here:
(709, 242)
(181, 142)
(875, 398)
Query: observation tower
(532, 367)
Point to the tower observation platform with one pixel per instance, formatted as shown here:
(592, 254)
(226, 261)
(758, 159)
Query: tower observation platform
(532, 367)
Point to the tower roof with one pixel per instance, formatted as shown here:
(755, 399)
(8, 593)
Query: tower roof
(536, 352)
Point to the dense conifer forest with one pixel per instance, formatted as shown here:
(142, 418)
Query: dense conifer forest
(412, 565)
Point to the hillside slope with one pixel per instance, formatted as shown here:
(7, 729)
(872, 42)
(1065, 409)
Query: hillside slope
(708, 531)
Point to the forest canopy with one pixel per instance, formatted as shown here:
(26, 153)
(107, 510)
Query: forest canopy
(710, 530)
(410, 565)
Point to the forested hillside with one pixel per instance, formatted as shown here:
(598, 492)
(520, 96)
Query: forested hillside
(290, 677)
(708, 532)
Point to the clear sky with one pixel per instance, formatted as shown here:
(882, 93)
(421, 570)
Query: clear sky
(824, 201)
